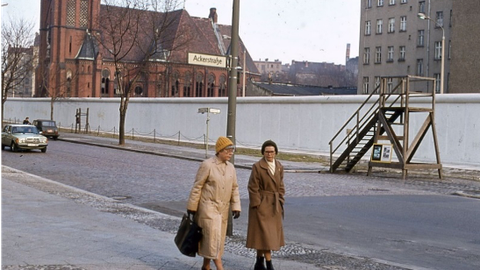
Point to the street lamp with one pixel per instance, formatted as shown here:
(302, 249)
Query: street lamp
(422, 16)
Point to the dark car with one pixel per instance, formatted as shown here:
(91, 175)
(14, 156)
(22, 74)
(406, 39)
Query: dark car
(47, 128)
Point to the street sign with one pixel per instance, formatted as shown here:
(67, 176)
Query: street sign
(207, 60)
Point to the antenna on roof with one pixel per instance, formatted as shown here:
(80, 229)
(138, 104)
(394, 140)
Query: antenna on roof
(184, 3)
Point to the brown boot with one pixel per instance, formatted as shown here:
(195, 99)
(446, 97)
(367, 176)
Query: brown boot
(269, 265)
(260, 264)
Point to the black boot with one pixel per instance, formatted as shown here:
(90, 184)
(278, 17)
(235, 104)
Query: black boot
(269, 265)
(260, 265)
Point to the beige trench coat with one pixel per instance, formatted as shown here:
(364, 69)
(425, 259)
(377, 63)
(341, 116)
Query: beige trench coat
(214, 190)
(265, 212)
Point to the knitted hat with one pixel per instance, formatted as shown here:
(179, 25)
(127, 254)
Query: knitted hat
(222, 143)
(269, 143)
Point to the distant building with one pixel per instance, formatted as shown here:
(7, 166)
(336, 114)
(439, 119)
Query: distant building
(320, 74)
(283, 89)
(23, 84)
(76, 60)
(465, 48)
(395, 42)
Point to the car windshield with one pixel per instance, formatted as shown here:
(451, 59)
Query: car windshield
(48, 123)
(31, 129)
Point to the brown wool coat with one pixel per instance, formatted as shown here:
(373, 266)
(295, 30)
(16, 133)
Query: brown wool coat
(265, 222)
(214, 190)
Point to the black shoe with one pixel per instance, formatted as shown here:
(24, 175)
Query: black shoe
(260, 264)
(269, 265)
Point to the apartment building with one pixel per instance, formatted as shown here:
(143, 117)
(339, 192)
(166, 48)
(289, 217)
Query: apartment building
(394, 41)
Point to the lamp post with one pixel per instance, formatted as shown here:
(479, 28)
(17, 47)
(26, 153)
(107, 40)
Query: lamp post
(422, 16)
(232, 91)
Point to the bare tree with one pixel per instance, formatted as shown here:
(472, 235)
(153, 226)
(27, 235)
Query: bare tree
(133, 34)
(17, 62)
(61, 89)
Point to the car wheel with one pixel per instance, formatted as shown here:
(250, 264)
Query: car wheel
(13, 147)
(55, 138)
(44, 150)
(3, 146)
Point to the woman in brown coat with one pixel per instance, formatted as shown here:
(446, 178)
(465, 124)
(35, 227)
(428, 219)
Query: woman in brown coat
(265, 214)
(214, 191)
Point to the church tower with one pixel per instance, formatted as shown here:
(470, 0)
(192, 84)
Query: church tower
(68, 52)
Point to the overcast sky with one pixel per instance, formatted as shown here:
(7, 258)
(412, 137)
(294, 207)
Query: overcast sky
(300, 30)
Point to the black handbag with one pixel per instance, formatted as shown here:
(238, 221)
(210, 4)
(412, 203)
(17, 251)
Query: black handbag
(188, 236)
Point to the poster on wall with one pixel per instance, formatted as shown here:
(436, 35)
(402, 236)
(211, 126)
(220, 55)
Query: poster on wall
(381, 153)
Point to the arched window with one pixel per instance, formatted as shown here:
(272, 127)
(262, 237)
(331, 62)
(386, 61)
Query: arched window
(187, 85)
(222, 88)
(211, 85)
(175, 84)
(105, 87)
(138, 91)
(199, 85)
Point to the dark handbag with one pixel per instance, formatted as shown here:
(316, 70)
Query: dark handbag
(188, 236)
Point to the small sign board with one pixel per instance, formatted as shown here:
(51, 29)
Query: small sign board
(207, 60)
(381, 153)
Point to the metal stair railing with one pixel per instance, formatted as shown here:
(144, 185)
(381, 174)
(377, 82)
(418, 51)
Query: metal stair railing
(362, 125)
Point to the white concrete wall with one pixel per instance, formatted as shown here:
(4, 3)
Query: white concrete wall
(295, 123)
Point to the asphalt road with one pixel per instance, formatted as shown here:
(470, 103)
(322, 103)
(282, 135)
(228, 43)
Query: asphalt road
(410, 225)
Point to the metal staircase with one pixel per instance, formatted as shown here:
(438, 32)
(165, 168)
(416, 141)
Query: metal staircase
(384, 116)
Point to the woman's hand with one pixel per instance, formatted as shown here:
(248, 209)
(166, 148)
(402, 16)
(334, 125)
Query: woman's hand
(236, 214)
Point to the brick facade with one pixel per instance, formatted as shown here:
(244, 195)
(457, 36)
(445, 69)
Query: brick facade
(74, 64)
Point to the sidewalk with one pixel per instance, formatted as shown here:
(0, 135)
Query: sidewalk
(48, 225)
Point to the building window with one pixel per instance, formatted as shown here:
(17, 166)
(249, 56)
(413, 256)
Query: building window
(84, 14)
(389, 85)
(438, 50)
(366, 56)
(391, 2)
(379, 3)
(222, 91)
(211, 86)
(403, 51)
(403, 23)
(366, 84)
(378, 55)
(391, 53)
(437, 82)
(71, 11)
(391, 25)
(403, 1)
(368, 3)
(377, 82)
(450, 20)
(379, 26)
(187, 85)
(421, 7)
(419, 67)
(421, 38)
(439, 19)
(368, 28)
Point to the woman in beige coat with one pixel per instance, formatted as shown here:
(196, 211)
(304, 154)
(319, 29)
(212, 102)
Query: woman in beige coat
(265, 214)
(214, 191)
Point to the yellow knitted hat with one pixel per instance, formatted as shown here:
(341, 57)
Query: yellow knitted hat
(222, 142)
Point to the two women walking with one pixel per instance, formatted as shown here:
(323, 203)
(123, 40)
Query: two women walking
(215, 191)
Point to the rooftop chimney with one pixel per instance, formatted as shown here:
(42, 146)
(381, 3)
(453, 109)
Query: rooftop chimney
(213, 15)
(348, 53)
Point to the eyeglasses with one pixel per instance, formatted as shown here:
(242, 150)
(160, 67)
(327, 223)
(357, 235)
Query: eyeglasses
(229, 150)
(269, 152)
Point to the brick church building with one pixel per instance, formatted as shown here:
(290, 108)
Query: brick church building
(80, 55)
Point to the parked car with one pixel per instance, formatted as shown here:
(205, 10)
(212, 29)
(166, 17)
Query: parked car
(47, 128)
(23, 137)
